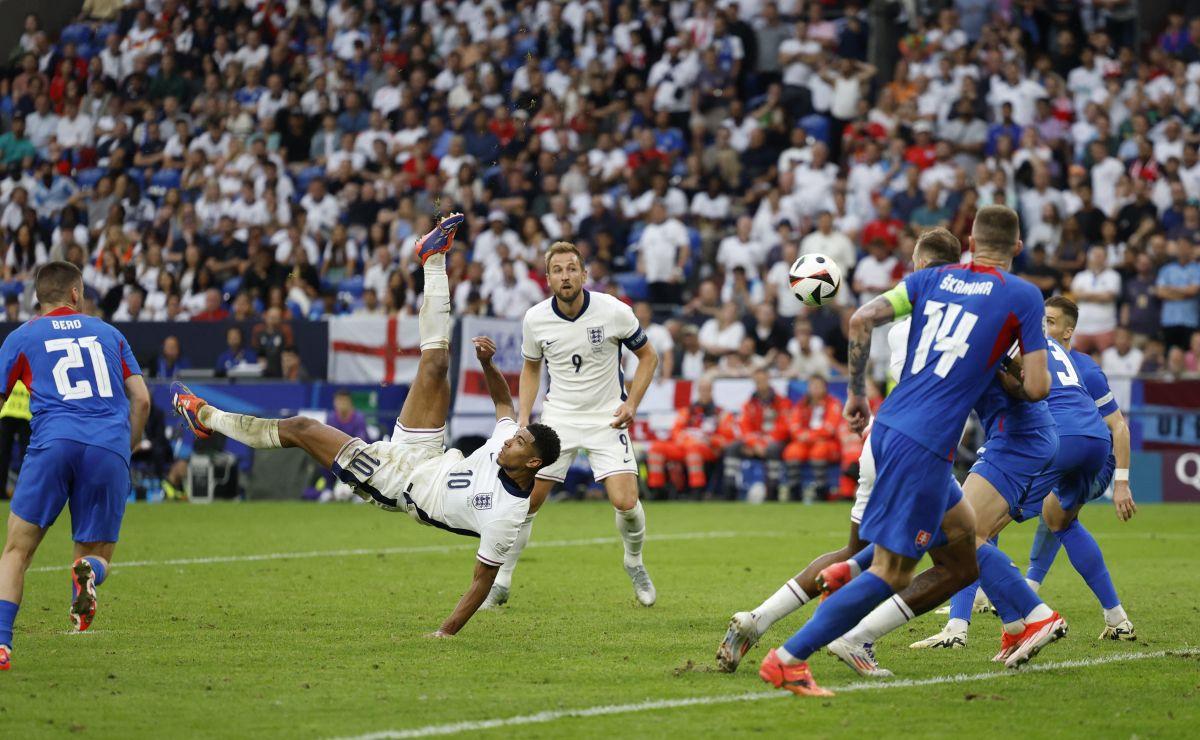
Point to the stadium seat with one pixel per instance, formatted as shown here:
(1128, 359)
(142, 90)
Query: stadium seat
(88, 178)
(232, 286)
(87, 51)
(76, 33)
(816, 126)
(162, 181)
(634, 285)
(353, 286)
(138, 176)
(104, 31)
(306, 176)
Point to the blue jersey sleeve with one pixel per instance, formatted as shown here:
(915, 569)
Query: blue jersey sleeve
(1031, 313)
(1096, 383)
(14, 365)
(129, 363)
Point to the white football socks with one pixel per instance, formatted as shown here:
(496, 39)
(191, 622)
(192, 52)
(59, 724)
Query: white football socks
(778, 605)
(1035, 585)
(957, 626)
(261, 434)
(1040, 612)
(433, 320)
(855, 569)
(1114, 616)
(632, 526)
(883, 619)
(504, 576)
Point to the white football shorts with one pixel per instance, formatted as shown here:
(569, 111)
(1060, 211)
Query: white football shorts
(609, 451)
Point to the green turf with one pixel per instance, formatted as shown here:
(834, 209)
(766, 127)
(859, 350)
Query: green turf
(333, 645)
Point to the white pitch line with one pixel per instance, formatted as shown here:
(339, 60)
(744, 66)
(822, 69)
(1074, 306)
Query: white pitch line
(414, 550)
(649, 706)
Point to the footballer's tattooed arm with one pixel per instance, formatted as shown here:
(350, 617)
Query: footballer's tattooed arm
(877, 312)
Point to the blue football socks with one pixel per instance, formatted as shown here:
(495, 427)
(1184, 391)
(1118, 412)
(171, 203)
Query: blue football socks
(1086, 557)
(1042, 553)
(8, 615)
(1010, 594)
(963, 603)
(840, 612)
(98, 567)
(864, 557)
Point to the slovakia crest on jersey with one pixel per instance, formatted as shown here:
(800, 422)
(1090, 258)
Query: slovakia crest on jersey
(482, 501)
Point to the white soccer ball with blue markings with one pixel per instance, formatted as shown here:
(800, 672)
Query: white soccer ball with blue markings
(815, 279)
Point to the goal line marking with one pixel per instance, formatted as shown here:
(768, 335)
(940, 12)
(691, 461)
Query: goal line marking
(649, 706)
(412, 550)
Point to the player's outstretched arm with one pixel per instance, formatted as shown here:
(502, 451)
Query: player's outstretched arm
(876, 312)
(647, 358)
(1122, 494)
(139, 408)
(531, 382)
(485, 350)
(481, 584)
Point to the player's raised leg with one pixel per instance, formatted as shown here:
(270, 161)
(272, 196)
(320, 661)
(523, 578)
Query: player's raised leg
(22, 542)
(424, 409)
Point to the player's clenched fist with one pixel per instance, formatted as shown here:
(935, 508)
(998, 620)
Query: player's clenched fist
(485, 348)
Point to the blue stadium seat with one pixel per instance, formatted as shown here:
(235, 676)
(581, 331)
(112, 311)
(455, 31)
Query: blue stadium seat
(816, 126)
(352, 286)
(307, 175)
(76, 33)
(87, 51)
(636, 232)
(232, 286)
(104, 31)
(88, 178)
(162, 181)
(633, 284)
(138, 176)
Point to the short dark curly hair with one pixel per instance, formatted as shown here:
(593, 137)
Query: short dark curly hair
(546, 442)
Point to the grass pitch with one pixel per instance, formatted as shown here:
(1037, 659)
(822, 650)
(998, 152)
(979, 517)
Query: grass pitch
(299, 620)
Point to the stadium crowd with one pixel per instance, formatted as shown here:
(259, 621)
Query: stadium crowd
(275, 161)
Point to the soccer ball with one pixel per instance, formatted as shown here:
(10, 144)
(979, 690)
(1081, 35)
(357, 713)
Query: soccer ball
(815, 279)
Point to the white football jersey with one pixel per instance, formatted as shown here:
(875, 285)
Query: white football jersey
(582, 354)
(473, 496)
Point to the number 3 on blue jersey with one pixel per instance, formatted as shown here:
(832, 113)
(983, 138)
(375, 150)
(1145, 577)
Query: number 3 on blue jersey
(947, 331)
(1067, 376)
(73, 359)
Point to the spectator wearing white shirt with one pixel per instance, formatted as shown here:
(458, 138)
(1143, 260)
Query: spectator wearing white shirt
(1121, 363)
(691, 355)
(321, 207)
(723, 333)
(42, 124)
(1096, 290)
(742, 249)
(807, 351)
(1106, 171)
(485, 247)
(660, 339)
(663, 249)
(513, 294)
(832, 244)
(712, 204)
(779, 283)
(877, 272)
(75, 129)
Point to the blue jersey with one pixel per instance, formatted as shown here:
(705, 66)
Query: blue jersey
(964, 320)
(1096, 383)
(999, 412)
(1071, 403)
(75, 367)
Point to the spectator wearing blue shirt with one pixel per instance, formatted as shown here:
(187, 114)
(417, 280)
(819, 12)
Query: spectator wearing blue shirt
(170, 361)
(1006, 127)
(1178, 286)
(235, 354)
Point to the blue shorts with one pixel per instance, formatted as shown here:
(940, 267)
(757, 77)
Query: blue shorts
(914, 488)
(1080, 472)
(93, 481)
(1012, 461)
